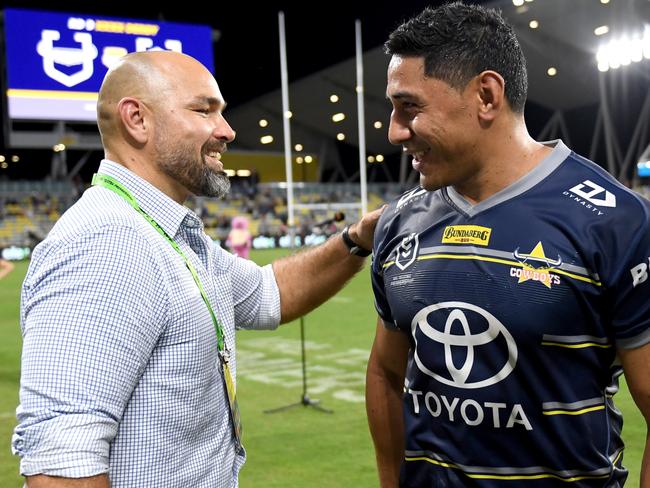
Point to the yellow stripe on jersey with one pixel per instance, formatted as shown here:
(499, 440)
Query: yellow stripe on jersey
(474, 257)
(574, 412)
(537, 477)
(508, 476)
(579, 345)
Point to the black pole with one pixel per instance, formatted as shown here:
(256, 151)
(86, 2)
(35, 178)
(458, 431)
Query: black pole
(304, 357)
(304, 400)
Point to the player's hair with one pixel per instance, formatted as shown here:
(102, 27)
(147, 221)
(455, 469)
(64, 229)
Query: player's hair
(459, 41)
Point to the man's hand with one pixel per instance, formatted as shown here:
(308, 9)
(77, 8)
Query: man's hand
(362, 232)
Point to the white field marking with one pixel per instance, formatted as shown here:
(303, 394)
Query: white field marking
(274, 361)
(350, 396)
(7, 415)
(340, 299)
(290, 347)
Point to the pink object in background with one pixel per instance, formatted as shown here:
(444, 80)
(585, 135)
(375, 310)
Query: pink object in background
(239, 239)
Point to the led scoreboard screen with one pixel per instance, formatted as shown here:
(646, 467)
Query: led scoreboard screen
(55, 62)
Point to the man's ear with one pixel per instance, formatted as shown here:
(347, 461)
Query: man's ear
(132, 114)
(491, 95)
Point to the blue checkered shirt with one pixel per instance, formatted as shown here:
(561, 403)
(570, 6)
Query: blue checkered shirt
(120, 372)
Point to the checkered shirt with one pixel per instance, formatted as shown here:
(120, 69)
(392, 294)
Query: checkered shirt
(120, 372)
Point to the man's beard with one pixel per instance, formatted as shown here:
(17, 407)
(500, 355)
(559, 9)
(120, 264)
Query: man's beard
(194, 174)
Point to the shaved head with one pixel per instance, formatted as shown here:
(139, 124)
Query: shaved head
(143, 75)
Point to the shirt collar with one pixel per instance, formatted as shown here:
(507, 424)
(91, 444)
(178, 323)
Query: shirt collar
(169, 214)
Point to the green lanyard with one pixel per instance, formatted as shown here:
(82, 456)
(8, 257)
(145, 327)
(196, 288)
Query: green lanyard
(115, 186)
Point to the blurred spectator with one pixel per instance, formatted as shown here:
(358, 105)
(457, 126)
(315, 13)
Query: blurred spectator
(264, 203)
(264, 227)
(239, 239)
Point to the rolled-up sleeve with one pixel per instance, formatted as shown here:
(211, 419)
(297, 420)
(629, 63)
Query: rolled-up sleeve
(92, 312)
(256, 296)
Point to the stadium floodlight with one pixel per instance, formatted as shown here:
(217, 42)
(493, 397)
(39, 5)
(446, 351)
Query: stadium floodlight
(624, 51)
(601, 30)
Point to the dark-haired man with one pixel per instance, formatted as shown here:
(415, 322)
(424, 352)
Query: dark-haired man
(512, 285)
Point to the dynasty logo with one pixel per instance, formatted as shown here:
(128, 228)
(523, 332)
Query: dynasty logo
(536, 266)
(410, 197)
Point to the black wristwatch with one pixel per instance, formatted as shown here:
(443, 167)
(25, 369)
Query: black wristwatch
(354, 248)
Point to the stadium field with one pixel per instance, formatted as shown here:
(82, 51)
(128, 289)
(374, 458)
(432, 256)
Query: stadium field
(301, 446)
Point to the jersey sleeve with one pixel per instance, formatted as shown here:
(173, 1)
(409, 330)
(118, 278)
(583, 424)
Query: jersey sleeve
(379, 257)
(630, 291)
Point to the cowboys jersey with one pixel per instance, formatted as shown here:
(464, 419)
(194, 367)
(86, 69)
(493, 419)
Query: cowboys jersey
(514, 308)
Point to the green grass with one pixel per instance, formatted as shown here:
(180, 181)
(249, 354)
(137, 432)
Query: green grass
(300, 446)
(10, 344)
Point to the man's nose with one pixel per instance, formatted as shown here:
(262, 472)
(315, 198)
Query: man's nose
(223, 131)
(398, 132)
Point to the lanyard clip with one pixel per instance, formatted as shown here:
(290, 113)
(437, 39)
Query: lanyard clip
(225, 355)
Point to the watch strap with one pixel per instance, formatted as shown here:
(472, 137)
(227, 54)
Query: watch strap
(354, 248)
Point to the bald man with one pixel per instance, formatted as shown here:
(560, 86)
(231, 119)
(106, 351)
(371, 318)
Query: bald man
(128, 310)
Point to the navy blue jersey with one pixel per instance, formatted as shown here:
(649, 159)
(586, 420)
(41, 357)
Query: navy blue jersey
(515, 308)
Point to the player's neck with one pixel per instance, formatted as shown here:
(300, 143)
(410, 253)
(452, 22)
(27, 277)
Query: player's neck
(505, 159)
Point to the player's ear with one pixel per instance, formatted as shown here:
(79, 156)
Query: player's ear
(490, 93)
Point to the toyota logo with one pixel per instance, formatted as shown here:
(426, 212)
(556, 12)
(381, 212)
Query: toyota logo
(474, 344)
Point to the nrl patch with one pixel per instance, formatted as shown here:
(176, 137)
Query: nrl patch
(407, 251)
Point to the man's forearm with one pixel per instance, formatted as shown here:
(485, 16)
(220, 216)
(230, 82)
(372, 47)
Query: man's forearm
(43, 481)
(309, 278)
